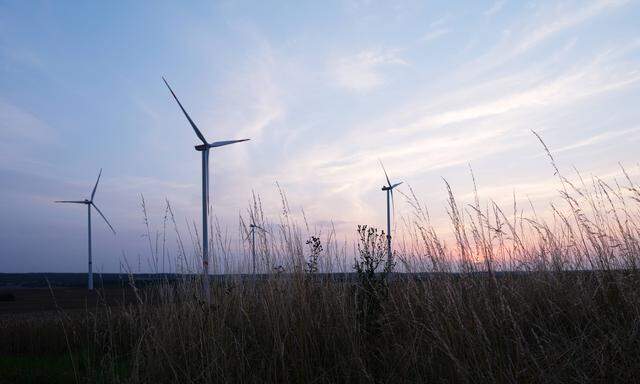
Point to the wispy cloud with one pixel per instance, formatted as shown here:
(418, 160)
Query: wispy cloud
(434, 35)
(524, 35)
(23, 137)
(567, 18)
(461, 122)
(597, 139)
(538, 90)
(17, 123)
(440, 22)
(495, 7)
(251, 99)
(256, 101)
(363, 71)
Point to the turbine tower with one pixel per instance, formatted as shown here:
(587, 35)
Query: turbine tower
(204, 148)
(389, 189)
(252, 233)
(89, 203)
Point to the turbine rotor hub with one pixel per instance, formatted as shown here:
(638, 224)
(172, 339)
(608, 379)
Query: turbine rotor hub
(202, 147)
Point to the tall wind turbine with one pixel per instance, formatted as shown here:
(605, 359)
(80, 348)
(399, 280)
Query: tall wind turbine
(389, 189)
(204, 148)
(252, 233)
(89, 203)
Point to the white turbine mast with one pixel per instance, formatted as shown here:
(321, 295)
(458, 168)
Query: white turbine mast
(204, 148)
(89, 203)
(389, 189)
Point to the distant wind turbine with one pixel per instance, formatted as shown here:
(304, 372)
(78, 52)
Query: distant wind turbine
(252, 233)
(89, 203)
(389, 189)
(204, 148)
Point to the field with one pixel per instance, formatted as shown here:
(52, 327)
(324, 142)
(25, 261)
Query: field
(538, 327)
(512, 299)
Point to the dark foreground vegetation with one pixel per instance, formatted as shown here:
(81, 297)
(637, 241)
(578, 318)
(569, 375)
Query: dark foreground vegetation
(571, 327)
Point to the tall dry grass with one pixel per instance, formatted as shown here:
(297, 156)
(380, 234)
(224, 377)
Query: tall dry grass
(511, 299)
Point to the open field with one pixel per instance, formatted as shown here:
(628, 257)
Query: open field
(30, 300)
(538, 327)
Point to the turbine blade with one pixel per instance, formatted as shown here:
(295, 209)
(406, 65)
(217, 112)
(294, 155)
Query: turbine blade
(227, 142)
(193, 125)
(93, 193)
(385, 173)
(105, 219)
(396, 184)
(71, 201)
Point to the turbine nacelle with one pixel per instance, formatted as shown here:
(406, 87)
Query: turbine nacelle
(253, 226)
(203, 147)
(390, 187)
(252, 229)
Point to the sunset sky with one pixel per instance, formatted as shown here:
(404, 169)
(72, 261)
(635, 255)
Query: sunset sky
(323, 89)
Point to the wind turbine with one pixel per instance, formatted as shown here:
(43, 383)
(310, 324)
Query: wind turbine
(252, 233)
(204, 148)
(389, 189)
(89, 203)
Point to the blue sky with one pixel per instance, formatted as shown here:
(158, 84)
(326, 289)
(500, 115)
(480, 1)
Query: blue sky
(323, 89)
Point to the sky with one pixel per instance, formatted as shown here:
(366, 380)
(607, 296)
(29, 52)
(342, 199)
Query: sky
(323, 89)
